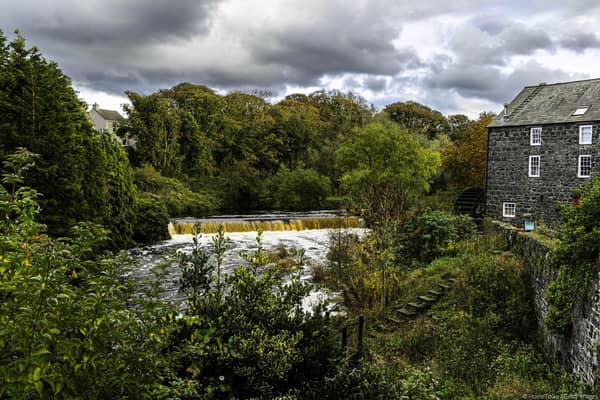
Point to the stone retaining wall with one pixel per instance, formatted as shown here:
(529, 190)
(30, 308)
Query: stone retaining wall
(576, 353)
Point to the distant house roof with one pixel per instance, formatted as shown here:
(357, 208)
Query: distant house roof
(108, 115)
(577, 101)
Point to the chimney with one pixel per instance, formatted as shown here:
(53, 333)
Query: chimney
(95, 106)
(505, 110)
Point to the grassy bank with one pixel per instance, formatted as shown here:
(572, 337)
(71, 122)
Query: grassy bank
(479, 340)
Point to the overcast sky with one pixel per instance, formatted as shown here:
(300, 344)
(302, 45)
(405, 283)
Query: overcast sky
(457, 56)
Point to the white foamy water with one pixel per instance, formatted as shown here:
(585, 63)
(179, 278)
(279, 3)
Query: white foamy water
(314, 242)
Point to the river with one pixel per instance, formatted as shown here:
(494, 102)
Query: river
(292, 230)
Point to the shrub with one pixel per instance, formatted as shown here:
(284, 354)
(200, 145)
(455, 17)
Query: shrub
(434, 234)
(179, 199)
(298, 189)
(249, 337)
(65, 329)
(152, 220)
(577, 257)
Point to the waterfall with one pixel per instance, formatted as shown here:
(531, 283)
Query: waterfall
(237, 225)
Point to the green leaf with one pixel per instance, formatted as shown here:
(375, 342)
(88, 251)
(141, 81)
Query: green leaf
(37, 373)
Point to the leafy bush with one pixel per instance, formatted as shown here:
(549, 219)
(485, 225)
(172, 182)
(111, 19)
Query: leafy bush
(356, 383)
(496, 288)
(65, 329)
(152, 220)
(249, 337)
(179, 199)
(577, 257)
(298, 189)
(435, 233)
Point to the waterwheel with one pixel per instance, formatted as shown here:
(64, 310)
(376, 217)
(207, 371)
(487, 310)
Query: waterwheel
(471, 202)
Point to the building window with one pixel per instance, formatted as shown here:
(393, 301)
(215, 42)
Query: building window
(535, 139)
(534, 166)
(581, 110)
(584, 169)
(508, 210)
(585, 134)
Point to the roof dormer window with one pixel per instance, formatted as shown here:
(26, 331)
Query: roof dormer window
(581, 110)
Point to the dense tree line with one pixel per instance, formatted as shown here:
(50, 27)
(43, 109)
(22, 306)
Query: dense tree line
(246, 153)
(198, 150)
(234, 145)
(81, 174)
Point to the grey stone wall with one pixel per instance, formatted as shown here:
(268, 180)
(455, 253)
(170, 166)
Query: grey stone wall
(508, 170)
(576, 353)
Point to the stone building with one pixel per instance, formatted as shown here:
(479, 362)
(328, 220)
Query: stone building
(542, 147)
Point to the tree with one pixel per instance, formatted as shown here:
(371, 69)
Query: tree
(298, 189)
(82, 174)
(297, 125)
(66, 326)
(464, 160)
(418, 118)
(385, 170)
(340, 113)
(155, 122)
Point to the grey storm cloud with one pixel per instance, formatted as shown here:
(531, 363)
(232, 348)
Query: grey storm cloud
(117, 23)
(579, 42)
(337, 42)
(363, 45)
(495, 43)
(489, 82)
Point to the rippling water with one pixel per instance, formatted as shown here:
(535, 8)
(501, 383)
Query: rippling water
(315, 243)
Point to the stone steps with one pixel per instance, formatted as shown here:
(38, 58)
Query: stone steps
(415, 308)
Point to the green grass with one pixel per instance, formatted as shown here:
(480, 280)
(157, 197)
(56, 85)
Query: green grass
(479, 341)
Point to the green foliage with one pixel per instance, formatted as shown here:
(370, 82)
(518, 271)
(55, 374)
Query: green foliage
(179, 199)
(65, 329)
(356, 383)
(385, 170)
(82, 175)
(577, 257)
(298, 189)
(232, 143)
(249, 338)
(434, 234)
(464, 160)
(477, 341)
(241, 186)
(417, 118)
(151, 221)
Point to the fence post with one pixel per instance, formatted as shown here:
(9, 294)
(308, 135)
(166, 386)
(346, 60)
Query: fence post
(361, 324)
(344, 338)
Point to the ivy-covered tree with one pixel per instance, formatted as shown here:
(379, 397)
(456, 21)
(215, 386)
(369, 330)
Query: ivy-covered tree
(82, 174)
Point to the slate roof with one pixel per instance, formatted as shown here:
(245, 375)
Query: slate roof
(552, 104)
(109, 115)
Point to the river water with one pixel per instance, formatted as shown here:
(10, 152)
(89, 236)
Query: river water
(315, 243)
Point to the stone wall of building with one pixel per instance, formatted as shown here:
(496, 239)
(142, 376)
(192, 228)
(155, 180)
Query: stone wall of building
(508, 178)
(578, 352)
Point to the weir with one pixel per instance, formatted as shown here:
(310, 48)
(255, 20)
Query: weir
(265, 224)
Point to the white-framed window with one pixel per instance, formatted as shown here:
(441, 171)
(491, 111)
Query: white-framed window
(534, 166)
(584, 166)
(585, 134)
(535, 137)
(509, 210)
